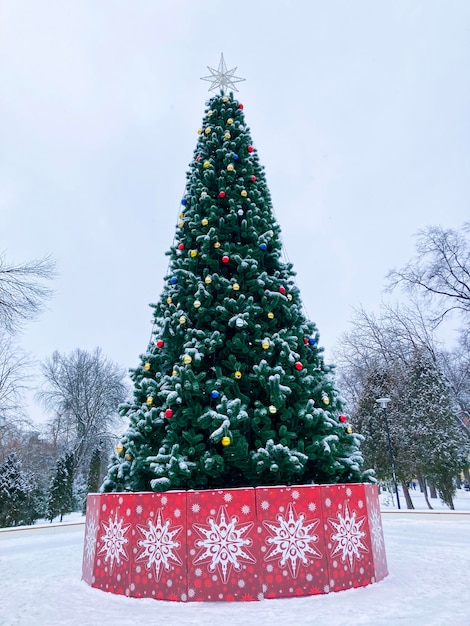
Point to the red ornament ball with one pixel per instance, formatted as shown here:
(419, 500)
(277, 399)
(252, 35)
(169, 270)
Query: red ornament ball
(298, 366)
(181, 246)
(240, 106)
(225, 259)
(221, 194)
(250, 148)
(282, 290)
(253, 178)
(198, 158)
(343, 419)
(168, 413)
(306, 341)
(160, 343)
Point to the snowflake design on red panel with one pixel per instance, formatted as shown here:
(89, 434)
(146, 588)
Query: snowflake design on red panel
(114, 540)
(348, 536)
(292, 540)
(159, 545)
(223, 544)
(376, 534)
(90, 539)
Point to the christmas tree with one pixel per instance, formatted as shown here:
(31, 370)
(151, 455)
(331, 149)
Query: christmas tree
(233, 390)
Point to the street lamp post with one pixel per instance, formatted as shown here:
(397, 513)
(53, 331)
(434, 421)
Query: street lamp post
(383, 405)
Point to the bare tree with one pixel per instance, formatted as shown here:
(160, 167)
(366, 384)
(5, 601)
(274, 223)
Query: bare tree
(14, 375)
(456, 367)
(83, 391)
(22, 291)
(440, 269)
(380, 357)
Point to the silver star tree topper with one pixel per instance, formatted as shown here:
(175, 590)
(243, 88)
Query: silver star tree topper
(221, 77)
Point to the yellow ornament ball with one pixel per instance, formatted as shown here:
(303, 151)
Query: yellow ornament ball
(227, 135)
(236, 287)
(182, 320)
(208, 131)
(205, 221)
(289, 296)
(217, 244)
(230, 120)
(208, 280)
(244, 193)
(169, 300)
(203, 194)
(206, 164)
(174, 373)
(349, 430)
(225, 99)
(237, 375)
(265, 345)
(272, 409)
(210, 113)
(193, 253)
(271, 315)
(149, 401)
(199, 131)
(230, 167)
(119, 449)
(196, 304)
(181, 224)
(187, 359)
(129, 457)
(147, 367)
(225, 441)
(325, 399)
(181, 215)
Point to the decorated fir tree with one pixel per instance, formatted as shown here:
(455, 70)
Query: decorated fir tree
(233, 390)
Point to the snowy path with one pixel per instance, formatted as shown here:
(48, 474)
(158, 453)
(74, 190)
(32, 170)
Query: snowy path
(429, 562)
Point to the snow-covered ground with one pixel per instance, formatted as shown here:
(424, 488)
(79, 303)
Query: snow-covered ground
(428, 558)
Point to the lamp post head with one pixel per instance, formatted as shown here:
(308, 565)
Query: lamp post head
(383, 402)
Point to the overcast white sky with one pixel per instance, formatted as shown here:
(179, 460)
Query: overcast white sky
(359, 110)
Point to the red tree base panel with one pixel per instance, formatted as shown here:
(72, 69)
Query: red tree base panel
(234, 544)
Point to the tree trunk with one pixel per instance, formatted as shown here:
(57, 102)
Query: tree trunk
(422, 485)
(466, 475)
(409, 502)
(426, 495)
(433, 492)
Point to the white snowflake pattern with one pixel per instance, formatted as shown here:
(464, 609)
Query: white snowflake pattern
(327, 502)
(114, 540)
(348, 537)
(265, 505)
(292, 540)
(295, 495)
(159, 545)
(312, 506)
(90, 539)
(246, 509)
(223, 544)
(376, 530)
(177, 513)
(195, 508)
(228, 497)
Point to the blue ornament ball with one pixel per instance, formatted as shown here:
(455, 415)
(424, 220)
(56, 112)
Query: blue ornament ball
(263, 246)
(215, 394)
(184, 202)
(235, 157)
(173, 280)
(312, 341)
